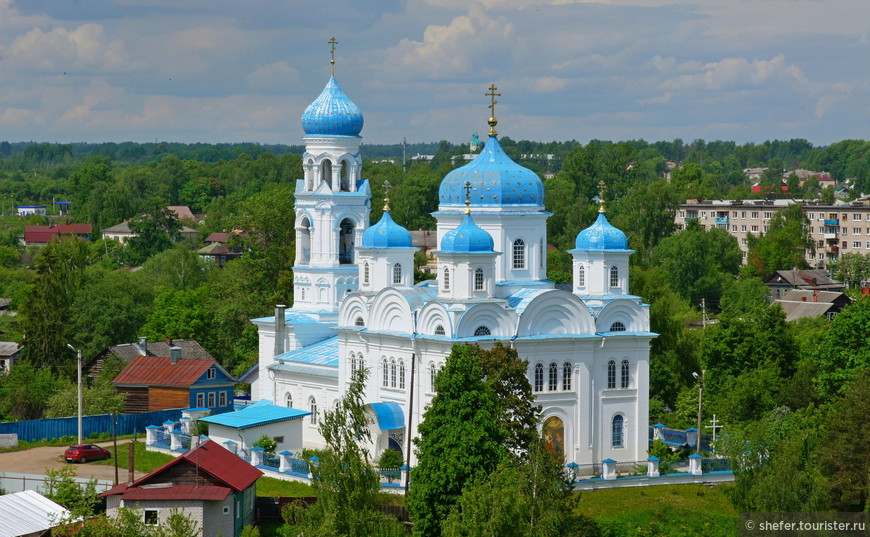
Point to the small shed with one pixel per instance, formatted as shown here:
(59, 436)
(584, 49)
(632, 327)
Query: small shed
(246, 426)
(29, 514)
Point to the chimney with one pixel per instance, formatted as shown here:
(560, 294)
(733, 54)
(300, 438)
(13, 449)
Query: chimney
(174, 354)
(815, 296)
(169, 341)
(803, 299)
(280, 324)
(143, 346)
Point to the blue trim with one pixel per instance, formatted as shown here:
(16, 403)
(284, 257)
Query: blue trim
(389, 414)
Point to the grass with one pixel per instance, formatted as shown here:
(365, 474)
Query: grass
(271, 487)
(144, 461)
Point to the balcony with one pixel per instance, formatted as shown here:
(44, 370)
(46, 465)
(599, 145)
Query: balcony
(721, 220)
(830, 236)
(832, 223)
(832, 249)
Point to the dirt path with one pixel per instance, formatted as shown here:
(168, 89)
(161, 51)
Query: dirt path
(36, 460)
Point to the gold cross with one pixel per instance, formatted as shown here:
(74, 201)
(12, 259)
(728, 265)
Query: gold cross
(492, 120)
(467, 189)
(332, 42)
(387, 187)
(602, 188)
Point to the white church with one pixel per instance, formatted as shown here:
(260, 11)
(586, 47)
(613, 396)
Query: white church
(356, 305)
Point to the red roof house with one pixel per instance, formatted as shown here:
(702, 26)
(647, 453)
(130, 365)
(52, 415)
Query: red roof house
(208, 484)
(40, 235)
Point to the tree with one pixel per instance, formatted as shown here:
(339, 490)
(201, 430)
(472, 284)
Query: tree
(99, 398)
(25, 391)
(460, 440)
(179, 315)
(177, 268)
(61, 487)
(155, 231)
(852, 268)
(646, 214)
(784, 246)
(845, 349)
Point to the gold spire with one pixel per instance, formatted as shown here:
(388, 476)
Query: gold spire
(492, 120)
(467, 189)
(332, 43)
(602, 188)
(387, 187)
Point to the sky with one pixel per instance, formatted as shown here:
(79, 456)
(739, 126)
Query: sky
(229, 71)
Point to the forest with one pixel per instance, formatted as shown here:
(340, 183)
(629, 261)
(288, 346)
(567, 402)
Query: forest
(788, 387)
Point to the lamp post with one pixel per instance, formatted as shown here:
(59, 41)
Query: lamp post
(79, 364)
(700, 379)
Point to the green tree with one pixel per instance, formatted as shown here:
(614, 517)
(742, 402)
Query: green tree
(267, 443)
(852, 268)
(177, 268)
(646, 214)
(845, 349)
(25, 391)
(61, 487)
(156, 230)
(784, 246)
(460, 440)
(179, 315)
(99, 398)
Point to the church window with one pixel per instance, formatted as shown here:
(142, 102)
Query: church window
(539, 377)
(446, 279)
(397, 274)
(366, 273)
(360, 362)
(519, 254)
(482, 331)
(392, 372)
(625, 372)
(359, 322)
(326, 172)
(614, 277)
(611, 375)
(288, 399)
(402, 374)
(617, 327)
(345, 242)
(566, 376)
(433, 372)
(303, 237)
(616, 432)
(312, 407)
(303, 293)
(352, 364)
(386, 373)
(478, 279)
(554, 377)
(541, 253)
(345, 176)
(581, 276)
(439, 330)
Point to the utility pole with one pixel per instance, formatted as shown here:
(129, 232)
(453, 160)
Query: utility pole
(703, 313)
(79, 361)
(700, 380)
(404, 152)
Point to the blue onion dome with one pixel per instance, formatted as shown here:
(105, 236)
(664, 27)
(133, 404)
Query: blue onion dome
(332, 114)
(601, 236)
(467, 238)
(495, 179)
(386, 234)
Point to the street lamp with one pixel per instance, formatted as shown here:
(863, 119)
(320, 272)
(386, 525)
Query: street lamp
(700, 379)
(79, 360)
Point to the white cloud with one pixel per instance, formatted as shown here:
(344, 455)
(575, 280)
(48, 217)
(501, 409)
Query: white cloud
(658, 99)
(85, 47)
(731, 73)
(275, 76)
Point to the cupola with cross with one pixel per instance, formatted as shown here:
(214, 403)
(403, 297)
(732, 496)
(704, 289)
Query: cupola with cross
(385, 257)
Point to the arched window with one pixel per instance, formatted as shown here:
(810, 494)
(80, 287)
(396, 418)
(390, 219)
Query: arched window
(566, 376)
(614, 277)
(554, 377)
(539, 377)
(366, 273)
(482, 331)
(359, 322)
(397, 274)
(288, 399)
(541, 253)
(616, 432)
(386, 373)
(303, 237)
(392, 372)
(312, 407)
(402, 374)
(345, 176)
(433, 372)
(345, 242)
(519, 257)
(581, 276)
(326, 172)
(611, 375)
(617, 327)
(446, 282)
(439, 330)
(360, 362)
(478, 279)
(352, 364)
(625, 377)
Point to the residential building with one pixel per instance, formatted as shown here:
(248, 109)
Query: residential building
(42, 235)
(783, 281)
(122, 232)
(9, 353)
(243, 428)
(30, 514)
(801, 303)
(125, 352)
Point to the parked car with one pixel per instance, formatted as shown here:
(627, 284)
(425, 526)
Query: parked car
(85, 453)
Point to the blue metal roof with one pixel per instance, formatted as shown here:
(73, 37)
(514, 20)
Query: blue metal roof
(467, 238)
(386, 234)
(495, 179)
(389, 414)
(290, 316)
(601, 235)
(332, 114)
(260, 413)
(322, 353)
(522, 298)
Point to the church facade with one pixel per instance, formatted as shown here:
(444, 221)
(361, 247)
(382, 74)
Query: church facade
(356, 305)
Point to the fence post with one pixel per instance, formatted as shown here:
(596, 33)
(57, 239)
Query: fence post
(657, 431)
(653, 466)
(692, 437)
(257, 455)
(284, 461)
(609, 469)
(572, 470)
(175, 440)
(311, 464)
(695, 464)
(232, 447)
(405, 469)
(151, 434)
(185, 425)
(168, 425)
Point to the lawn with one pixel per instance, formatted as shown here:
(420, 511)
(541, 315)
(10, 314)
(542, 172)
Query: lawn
(144, 461)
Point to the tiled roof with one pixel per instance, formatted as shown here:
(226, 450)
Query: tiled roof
(260, 413)
(189, 349)
(177, 492)
(218, 236)
(214, 248)
(160, 371)
(8, 348)
(182, 211)
(321, 353)
(44, 234)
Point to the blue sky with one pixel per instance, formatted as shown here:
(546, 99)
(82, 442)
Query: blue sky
(230, 71)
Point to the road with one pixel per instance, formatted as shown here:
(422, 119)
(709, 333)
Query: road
(36, 460)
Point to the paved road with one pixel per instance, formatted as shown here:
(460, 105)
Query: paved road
(36, 460)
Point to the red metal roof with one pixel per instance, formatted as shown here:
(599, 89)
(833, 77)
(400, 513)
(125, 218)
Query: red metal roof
(218, 236)
(44, 234)
(160, 371)
(177, 492)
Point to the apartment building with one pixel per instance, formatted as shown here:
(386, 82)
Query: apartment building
(836, 229)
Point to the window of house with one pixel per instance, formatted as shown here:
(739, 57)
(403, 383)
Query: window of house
(366, 273)
(856, 231)
(539, 377)
(617, 326)
(541, 253)
(439, 330)
(200, 400)
(222, 399)
(703, 214)
(744, 241)
(734, 227)
(226, 509)
(856, 216)
(682, 214)
(519, 254)
(150, 517)
(856, 244)
(614, 277)
(482, 331)
(211, 373)
(359, 322)
(743, 228)
(611, 375)
(616, 433)
(766, 229)
(554, 377)
(868, 245)
(566, 376)
(845, 244)
(478, 279)
(845, 231)
(755, 215)
(742, 214)
(211, 399)
(397, 274)
(812, 216)
(312, 407)
(767, 215)
(625, 371)
(278, 439)
(755, 229)
(734, 214)
(581, 276)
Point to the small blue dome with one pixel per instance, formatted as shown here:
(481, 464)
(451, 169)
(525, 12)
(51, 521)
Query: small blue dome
(467, 238)
(386, 234)
(601, 236)
(332, 114)
(495, 180)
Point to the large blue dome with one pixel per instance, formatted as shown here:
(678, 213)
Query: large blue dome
(601, 236)
(495, 180)
(386, 234)
(332, 114)
(467, 238)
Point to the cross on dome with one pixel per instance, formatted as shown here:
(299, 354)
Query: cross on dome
(467, 189)
(332, 42)
(602, 188)
(387, 187)
(492, 120)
